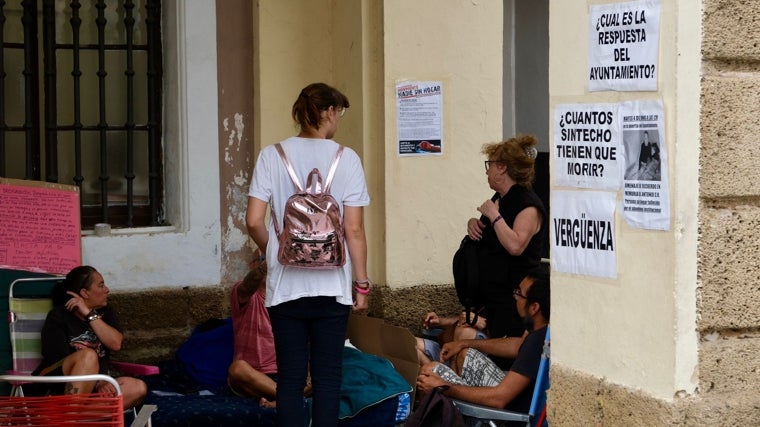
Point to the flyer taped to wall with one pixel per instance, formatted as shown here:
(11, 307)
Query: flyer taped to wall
(646, 191)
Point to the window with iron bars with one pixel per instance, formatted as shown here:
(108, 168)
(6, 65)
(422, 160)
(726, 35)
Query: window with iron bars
(96, 123)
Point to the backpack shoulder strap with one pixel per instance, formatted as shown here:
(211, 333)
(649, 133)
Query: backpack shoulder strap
(289, 167)
(333, 167)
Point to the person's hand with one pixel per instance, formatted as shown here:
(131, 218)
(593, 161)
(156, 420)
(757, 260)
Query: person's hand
(77, 304)
(479, 325)
(427, 379)
(451, 349)
(259, 259)
(490, 209)
(430, 320)
(475, 228)
(361, 302)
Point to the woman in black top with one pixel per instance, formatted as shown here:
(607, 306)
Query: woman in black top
(509, 230)
(79, 335)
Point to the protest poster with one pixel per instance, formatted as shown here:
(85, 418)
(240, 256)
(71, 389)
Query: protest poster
(40, 228)
(623, 46)
(586, 146)
(646, 193)
(419, 118)
(583, 227)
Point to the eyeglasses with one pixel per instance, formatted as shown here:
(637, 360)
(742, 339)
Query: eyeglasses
(488, 163)
(341, 111)
(518, 294)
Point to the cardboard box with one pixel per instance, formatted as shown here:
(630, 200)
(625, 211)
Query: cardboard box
(398, 345)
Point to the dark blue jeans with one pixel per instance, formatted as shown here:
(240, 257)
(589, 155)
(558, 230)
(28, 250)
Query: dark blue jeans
(309, 330)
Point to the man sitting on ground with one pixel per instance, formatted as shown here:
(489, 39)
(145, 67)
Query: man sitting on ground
(478, 379)
(253, 371)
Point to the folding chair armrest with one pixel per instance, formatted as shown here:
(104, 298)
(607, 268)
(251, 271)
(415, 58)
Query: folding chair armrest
(61, 379)
(143, 416)
(135, 368)
(487, 413)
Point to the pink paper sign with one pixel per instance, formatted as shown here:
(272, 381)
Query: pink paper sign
(39, 226)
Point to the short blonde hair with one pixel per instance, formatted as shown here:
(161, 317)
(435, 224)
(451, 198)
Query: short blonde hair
(518, 154)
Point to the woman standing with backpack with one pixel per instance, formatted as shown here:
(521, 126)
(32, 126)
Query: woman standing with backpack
(309, 307)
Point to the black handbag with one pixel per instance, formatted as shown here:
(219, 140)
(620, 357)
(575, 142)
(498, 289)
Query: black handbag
(466, 269)
(436, 410)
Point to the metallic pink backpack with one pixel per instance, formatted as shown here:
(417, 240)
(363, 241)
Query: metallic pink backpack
(312, 234)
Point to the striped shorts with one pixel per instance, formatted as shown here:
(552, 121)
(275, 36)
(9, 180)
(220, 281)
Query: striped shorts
(478, 371)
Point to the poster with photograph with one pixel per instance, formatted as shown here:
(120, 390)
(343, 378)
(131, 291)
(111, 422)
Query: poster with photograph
(586, 146)
(419, 120)
(646, 194)
(583, 233)
(623, 46)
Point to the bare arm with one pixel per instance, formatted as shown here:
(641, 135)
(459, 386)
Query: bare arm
(353, 222)
(255, 279)
(502, 347)
(515, 239)
(255, 215)
(107, 334)
(498, 396)
(495, 397)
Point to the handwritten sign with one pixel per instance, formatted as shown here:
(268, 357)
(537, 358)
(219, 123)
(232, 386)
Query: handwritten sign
(39, 226)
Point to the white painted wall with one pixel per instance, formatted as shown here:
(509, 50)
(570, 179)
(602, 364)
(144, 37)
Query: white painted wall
(188, 252)
(638, 330)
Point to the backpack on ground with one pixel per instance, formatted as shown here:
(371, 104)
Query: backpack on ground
(436, 410)
(465, 266)
(312, 234)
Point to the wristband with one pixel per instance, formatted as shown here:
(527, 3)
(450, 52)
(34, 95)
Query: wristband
(93, 315)
(495, 220)
(363, 291)
(362, 282)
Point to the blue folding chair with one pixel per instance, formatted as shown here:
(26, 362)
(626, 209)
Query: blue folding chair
(536, 415)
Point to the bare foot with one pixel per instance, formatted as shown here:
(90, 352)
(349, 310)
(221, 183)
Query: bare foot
(264, 403)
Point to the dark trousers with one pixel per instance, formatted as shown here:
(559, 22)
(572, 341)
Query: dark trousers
(309, 330)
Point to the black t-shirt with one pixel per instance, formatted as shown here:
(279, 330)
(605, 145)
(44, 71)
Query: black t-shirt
(64, 333)
(499, 265)
(500, 273)
(526, 364)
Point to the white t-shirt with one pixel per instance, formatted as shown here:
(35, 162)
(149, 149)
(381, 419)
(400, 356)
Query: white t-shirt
(272, 184)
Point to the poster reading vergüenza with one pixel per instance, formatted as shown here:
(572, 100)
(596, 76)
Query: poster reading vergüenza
(623, 43)
(583, 233)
